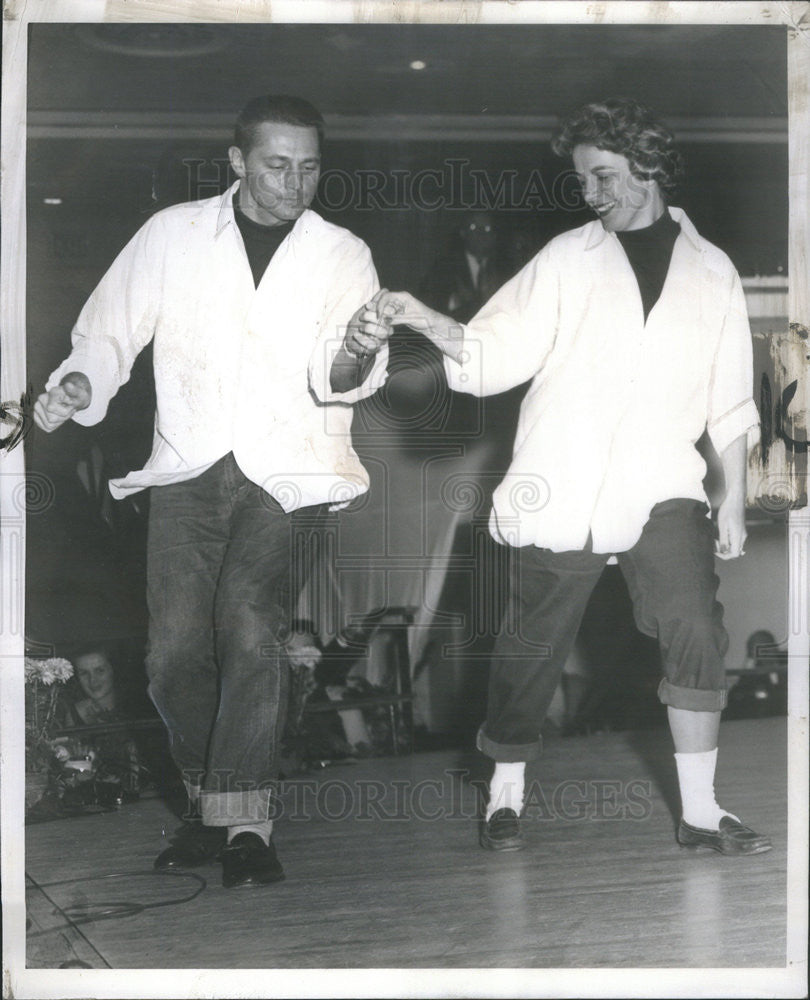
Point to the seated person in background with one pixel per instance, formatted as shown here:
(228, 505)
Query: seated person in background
(96, 679)
(332, 674)
(99, 700)
(109, 686)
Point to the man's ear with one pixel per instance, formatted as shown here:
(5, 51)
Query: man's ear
(237, 160)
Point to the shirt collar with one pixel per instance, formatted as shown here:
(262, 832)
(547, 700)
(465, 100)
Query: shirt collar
(596, 233)
(225, 214)
(687, 228)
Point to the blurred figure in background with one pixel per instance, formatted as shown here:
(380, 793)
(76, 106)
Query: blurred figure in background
(470, 272)
(100, 696)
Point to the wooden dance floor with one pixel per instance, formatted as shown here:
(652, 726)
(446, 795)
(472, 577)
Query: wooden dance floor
(384, 870)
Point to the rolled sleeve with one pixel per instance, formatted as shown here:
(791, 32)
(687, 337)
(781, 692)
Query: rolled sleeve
(320, 367)
(732, 411)
(743, 419)
(355, 282)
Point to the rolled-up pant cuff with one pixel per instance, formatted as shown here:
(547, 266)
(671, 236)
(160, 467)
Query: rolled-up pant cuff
(692, 699)
(508, 753)
(235, 808)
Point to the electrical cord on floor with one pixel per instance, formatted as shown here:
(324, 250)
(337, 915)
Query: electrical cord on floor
(89, 912)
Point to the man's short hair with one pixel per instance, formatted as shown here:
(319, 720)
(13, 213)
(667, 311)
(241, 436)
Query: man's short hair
(278, 109)
(630, 129)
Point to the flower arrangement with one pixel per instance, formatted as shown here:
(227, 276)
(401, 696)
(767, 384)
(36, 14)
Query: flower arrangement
(43, 680)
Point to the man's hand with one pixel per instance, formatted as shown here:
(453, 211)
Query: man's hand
(59, 404)
(387, 308)
(372, 324)
(731, 532)
(370, 327)
(354, 359)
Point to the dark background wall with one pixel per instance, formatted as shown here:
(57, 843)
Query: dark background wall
(125, 118)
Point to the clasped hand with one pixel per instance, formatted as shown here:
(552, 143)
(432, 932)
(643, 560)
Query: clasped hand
(370, 327)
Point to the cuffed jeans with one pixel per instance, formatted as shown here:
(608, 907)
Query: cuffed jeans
(673, 586)
(220, 571)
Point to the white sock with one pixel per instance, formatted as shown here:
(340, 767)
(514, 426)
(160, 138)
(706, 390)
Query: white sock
(696, 779)
(506, 787)
(262, 830)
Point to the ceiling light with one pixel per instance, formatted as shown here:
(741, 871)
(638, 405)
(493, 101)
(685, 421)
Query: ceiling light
(51, 201)
(418, 64)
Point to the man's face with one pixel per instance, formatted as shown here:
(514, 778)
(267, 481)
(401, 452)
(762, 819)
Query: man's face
(279, 172)
(621, 200)
(478, 234)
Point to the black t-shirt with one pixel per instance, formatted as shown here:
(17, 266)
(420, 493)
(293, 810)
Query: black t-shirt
(649, 251)
(261, 242)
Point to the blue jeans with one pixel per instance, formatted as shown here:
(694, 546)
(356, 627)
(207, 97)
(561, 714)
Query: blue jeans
(671, 579)
(220, 572)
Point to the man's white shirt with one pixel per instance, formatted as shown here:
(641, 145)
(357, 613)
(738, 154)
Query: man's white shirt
(237, 368)
(615, 406)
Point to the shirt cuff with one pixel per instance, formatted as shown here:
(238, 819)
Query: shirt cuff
(321, 366)
(466, 375)
(743, 419)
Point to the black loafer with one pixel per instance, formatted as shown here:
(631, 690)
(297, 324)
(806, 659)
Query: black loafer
(191, 846)
(501, 832)
(247, 860)
(731, 838)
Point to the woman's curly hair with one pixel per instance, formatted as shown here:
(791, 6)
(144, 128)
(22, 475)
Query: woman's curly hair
(630, 129)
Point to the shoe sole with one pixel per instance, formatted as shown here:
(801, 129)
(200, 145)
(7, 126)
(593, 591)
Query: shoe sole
(253, 883)
(698, 846)
(513, 844)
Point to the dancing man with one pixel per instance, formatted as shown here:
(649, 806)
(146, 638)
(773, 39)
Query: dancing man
(248, 297)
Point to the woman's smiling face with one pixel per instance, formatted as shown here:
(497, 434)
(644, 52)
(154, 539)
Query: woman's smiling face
(620, 199)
